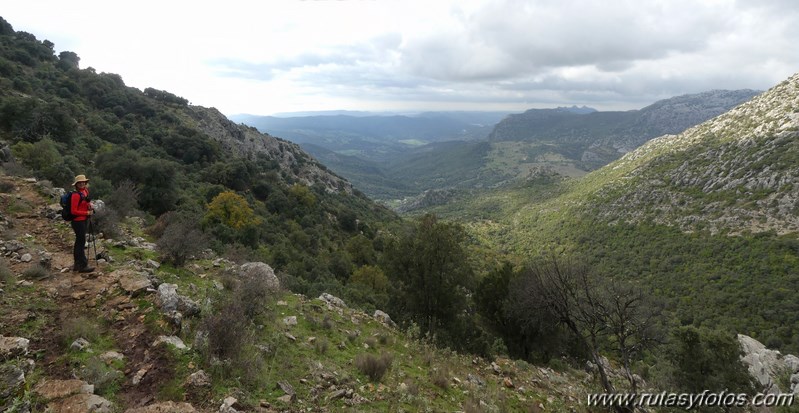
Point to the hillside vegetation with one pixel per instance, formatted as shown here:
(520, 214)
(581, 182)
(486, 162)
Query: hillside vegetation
(706, 218)
(214, 234)
(152, 151)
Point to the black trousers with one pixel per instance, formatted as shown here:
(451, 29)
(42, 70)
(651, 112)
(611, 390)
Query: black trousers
(79, 249)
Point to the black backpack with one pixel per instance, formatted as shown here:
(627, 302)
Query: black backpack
(66, 205)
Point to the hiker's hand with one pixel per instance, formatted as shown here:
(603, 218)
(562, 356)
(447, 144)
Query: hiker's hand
(90, 212)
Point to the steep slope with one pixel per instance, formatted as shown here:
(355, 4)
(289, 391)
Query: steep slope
(737, 172)
(706, 218)
(132, 337)
(247, 142)
(248, 191)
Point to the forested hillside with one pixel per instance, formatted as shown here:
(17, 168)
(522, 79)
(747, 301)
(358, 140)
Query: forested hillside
(254, 194)
(705, 218)
(553, 272)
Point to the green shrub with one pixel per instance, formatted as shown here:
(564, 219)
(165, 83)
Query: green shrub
(374, 367)
(79, 327)
(440, 378)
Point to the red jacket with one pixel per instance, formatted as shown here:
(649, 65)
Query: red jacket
(80, 205)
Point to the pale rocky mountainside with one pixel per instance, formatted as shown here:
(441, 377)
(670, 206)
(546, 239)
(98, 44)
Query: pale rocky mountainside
(736, 172)
(249, 143)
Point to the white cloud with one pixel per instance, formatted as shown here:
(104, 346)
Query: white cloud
(275, 56)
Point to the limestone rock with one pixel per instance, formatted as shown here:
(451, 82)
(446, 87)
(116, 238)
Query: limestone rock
(165, 407)
(11, 347)
(169, 300)
(109, 356)
(82, 403)
(171, 340)
(384, 318)
(132, 282)
(58, 389)
(261, 270)
(80, 344)
(765, 365)
(332, 300)
(198, 379)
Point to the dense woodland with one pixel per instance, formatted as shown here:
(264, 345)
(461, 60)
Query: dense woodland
(59, 120)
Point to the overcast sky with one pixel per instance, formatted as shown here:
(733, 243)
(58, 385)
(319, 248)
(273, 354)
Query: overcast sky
(262, 57)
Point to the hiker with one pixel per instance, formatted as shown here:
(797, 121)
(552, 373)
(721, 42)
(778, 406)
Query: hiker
(82, 209)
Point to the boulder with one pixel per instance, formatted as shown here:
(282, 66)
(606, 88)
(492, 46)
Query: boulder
(332, 300)
(261, 270)
(384, 318)
(170, 301)
(11, 347)
(172, 341)
(198, 379)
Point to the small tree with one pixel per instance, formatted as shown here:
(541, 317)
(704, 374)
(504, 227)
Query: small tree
(232, 210)
(593, 309)
(708, 360)
(429, 266)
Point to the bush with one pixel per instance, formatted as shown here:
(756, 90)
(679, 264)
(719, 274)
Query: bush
(79, 327)
(252, 293)
(374, 367)
(6, 276)
(181, 239)
(106, 380)
(6, 187)
(106, 221)
(440, 378)
(321, 346)
(227, 331)
(124, 198)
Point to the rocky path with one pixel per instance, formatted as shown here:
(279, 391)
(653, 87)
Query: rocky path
(53, 297)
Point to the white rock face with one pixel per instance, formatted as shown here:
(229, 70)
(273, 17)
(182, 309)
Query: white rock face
(768, 367)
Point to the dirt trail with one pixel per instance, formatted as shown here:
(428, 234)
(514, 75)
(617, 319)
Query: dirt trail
(94, 296)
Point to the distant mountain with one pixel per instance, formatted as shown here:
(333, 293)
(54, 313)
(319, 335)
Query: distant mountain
(592, 139)
(346, 132)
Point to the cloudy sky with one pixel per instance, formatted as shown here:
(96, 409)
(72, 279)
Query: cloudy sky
(267, 56)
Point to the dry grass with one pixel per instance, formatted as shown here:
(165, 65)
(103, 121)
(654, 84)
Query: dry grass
(374, 367)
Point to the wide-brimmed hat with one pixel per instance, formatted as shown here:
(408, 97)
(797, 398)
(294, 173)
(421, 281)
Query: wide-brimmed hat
(80, 178)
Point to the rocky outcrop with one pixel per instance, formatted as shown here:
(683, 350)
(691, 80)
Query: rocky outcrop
(249, 143)
(736, 172)
(261, 270)
(770, 368)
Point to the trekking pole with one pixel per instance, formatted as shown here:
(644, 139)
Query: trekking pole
(94, 241)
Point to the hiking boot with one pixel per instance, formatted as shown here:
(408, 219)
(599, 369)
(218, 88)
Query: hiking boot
(86, 269)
